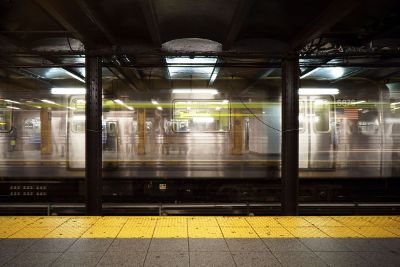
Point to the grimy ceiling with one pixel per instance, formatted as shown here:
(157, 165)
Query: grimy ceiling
(132, 34)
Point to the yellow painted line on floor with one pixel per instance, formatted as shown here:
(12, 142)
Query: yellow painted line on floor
(306, 232)
(340, 232)
(239, 232)
(67, 232)
(373, 231)
(200, 227)
(322, 221)
(263, 222)
(136, 232)
(273, 232)
(205, 232)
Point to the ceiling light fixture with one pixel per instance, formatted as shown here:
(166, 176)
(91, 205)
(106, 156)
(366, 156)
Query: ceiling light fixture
(318, 91)
(195, 91)
(68, 91)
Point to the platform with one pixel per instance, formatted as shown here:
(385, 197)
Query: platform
(200, 241)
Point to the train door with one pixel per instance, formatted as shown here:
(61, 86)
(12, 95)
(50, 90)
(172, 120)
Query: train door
(76, 134)
(110, 143)
(316, 136)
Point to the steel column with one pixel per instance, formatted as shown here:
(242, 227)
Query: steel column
(93, 136)
(290, 136)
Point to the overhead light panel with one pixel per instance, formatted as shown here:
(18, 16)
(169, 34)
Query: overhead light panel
(191, 67)
(309, 73)
(195, 91)
(68, 91)
(318, 91)
(154, 102)
(358, 102)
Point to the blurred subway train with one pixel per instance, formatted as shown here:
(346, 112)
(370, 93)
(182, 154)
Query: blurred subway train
(203, 143)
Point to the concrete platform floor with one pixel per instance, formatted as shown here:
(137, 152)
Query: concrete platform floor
(200, 241)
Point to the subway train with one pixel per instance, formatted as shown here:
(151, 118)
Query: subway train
(207, 145)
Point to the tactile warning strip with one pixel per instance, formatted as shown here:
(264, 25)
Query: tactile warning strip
(199, 227)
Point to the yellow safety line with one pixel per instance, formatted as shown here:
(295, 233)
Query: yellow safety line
(200, 227)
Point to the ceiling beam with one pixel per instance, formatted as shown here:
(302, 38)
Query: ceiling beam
(25, 72)
(388, 76)
(48, 7)
(18, 45)
(241, 12)
(95, 18)
(331, 15)
(151, 21)
(78, 33)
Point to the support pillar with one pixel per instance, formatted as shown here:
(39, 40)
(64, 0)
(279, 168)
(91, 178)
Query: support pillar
(93, 136)
(141, 114)
(46, 147)
(290, 136)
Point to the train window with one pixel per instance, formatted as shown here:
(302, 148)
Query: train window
(5, 120)
(368, 122)
(321, 108)
(201, 116)
(31, 126)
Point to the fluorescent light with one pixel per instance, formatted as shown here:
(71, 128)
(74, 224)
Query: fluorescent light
(318, 91)
(10, 107)
(358, 102)
(203, 119)
(154, 102)
(195, 91)
(48, 101)
(225, 101)
(71, 108)
(130, 108)
(213, 77)
(118, 101)
(12, 101)
(68, 90)
(75, 76)
(395, 103)
(336, 72)
(309, 73)
(159, 108)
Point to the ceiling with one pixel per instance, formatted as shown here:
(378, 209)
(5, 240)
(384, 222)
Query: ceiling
(44, 42)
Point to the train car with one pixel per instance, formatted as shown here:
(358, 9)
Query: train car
(209, 145)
